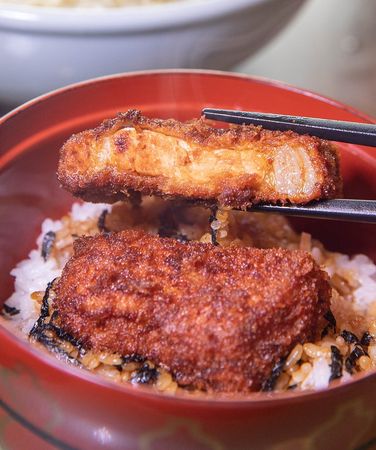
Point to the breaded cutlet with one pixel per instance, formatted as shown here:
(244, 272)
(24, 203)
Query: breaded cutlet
(235, 167)
(218, 318)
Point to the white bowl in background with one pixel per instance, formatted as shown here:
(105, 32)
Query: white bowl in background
(45, 48)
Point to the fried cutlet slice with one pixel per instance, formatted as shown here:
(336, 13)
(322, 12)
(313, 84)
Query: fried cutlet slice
(218, 318)
(233, 167)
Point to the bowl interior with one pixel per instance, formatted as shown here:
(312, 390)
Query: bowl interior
(32, 135)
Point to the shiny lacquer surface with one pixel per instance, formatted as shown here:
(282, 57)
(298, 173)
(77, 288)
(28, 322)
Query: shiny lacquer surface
(47, 404)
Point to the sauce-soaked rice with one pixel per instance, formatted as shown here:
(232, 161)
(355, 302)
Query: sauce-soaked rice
(352, 334)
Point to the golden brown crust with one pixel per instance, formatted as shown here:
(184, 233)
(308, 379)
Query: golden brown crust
(218, 318)
(235, 166)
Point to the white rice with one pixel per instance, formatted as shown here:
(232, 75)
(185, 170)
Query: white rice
(360, 268)
(33, 274)
(318, 378)
(30, 275)
(84, 211)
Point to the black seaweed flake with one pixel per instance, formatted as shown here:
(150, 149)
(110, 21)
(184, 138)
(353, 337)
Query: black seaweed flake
(269, 384)
(9, 310)
(47, 244)
(366, 339)
(134, 357)
(45, 308)
(145, 375)
(336, 364)
(38, 332)
(350, 338)
(212, 218)
(102, 222)
(53, 346)
(44, 313)
(352, 358)
(63, 335)
(331, 325)
(330, 318)
(40, 326)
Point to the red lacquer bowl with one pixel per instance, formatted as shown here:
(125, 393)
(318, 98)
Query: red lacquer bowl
(47, 404)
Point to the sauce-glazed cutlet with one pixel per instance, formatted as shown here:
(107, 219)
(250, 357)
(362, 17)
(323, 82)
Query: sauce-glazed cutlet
(219, 318)
(193, 160)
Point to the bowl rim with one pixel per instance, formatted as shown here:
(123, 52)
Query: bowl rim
(249, 400)
(215, 73)
(79, 20)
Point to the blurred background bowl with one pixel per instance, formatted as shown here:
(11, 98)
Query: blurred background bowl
(47, 404)
(45, 48)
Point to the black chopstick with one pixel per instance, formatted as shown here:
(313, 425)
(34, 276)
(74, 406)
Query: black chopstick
(338, 209)
(333, 130)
